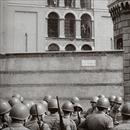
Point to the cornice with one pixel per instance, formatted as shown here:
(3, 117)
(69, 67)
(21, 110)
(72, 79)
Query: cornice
(119, 7)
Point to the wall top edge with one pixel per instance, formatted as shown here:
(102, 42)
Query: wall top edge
(112, 2)
(44, 54)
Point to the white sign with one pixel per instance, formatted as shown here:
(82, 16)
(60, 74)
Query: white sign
(88, 63)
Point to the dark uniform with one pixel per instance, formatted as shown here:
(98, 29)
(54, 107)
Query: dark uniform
(33, 125)
(69, 124)
(90, 111)
(99, 121)
(51, 119)
(16, 126)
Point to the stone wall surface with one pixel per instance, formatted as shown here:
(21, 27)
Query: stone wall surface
(66, 74)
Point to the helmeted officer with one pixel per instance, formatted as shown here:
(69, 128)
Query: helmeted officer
(101, 96)
(4, 113)
(47, 98)
(115, 111)
(111, 100)
(74, 100)
(19, 113)
(68, 123)
(53, 116)
(93, 108)
(77, 116)
(13, 101)
(100, 120)
(125, 125)
(37, 112)
(17, 95)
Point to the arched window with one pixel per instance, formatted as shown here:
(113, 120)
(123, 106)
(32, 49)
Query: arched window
(70, 47)
(69, 3)
(119, 44)
(86, 26)
(85, 4)
(70, 26)
(86, 47)
(53, 25)
(53, 47)
(53, 2)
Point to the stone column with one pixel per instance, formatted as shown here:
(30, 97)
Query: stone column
(62, 28)
(93, 34)
(1, 25)
(78, 29)
(77, 3)
(61, 3)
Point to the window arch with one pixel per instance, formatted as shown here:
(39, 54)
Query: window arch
(86, 47)
(86, 26)
(70, 47)
(53, 2)
(53, 25)
(69, 26)
(69, 3)
(85, 4)
(53, 47)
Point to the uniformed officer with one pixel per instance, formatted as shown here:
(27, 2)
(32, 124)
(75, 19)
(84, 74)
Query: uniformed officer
(111, 100)
(77, 116)
(125, 125)
(19, 113)
(100, 120)
(115, 111)
(37, 112)
(17, 95)
(93, 108)
(14, 100)
(53, 109)
(68, 123)
(47, 98)
(101, 96)
(74, 100)
(4, 113)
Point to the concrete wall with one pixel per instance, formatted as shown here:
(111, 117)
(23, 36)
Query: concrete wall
(66, 74)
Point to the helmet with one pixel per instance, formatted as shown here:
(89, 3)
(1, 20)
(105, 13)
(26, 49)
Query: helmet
(101, 96)
(14, 101)
(4, 107)
(112, 98)
(94, 99)
(28, 104)
(74, 100)
(126, 109)
(37, 109)
(118, 100)
(52, 104)
(19, 112)
(17, 95)
(68, 106)
(103, 102)
(78, 106)
(47, 98)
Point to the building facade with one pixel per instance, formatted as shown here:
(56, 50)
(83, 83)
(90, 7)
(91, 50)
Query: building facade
(58, 47)
(55, 25)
